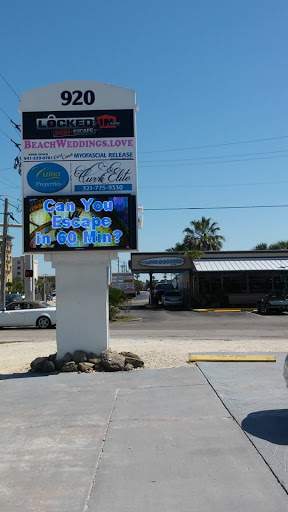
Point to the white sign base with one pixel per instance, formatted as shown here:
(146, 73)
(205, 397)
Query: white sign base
(82, 301)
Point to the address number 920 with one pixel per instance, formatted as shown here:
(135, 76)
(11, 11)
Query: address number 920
(77, 97)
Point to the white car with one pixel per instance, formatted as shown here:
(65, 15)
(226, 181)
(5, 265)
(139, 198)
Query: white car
(172, 298)
(28, 313)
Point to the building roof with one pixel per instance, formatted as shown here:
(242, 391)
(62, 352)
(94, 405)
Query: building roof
(240, 264)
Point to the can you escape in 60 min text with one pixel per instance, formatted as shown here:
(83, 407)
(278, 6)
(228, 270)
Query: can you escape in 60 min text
(90, 235)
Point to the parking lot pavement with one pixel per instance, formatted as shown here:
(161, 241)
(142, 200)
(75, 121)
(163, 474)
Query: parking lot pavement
(154, 440)
(256, 396)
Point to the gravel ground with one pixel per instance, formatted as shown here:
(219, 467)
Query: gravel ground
(156, 353)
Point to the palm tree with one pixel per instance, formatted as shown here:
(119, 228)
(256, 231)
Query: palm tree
(177, 248)
(260, 247)
(282, 244)
(203, 235)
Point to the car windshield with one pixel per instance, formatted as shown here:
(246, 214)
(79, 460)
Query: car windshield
(164, 286)
(13, 297)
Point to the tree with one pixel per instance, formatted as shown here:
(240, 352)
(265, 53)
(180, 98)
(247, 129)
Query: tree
(282, 244)
(203, 235)
(177, 248)
(16, 286)
(47, 282)
(138, 284)
(260, 247)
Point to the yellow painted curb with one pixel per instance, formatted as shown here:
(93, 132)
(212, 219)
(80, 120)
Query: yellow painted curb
(218, 310)
(227, 310)
(230, 358)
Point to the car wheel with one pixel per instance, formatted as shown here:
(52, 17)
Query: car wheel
(43, 322)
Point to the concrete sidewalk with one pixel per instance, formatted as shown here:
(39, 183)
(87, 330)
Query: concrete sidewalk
(149, 440)
(256, 396)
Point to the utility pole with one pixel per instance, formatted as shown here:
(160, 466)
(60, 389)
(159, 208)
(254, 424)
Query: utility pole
(3, 254)
(29, 281)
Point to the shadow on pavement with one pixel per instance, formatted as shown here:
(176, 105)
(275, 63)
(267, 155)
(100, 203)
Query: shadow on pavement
(269, 425)
(6, 376)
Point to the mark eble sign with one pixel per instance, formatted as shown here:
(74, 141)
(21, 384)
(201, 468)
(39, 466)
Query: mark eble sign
(79, 222)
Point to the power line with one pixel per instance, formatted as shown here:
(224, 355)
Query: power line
(16, 187)
(217, 207)
(11, 204)
(5, 113)
(213, 157)
(15, 143)
(15, 125)
(248, 141)
(215, 163)
(221, 185)
(10, 86)
(6, 169)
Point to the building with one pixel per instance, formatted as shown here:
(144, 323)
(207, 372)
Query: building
(8, 257)
(18, 268)
(220, 278)
(235, 278)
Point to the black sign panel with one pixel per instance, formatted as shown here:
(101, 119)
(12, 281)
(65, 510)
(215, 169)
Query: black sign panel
(78, 124)
(69, 223)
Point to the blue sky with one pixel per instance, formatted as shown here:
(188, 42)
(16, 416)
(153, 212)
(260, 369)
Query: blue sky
(205, 73)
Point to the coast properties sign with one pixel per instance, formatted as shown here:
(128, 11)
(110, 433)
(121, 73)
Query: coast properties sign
(79, 167)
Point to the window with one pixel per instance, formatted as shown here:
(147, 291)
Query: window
(260, 282)
(235, 283)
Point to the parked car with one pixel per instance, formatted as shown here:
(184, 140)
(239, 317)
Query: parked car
(172, 298)
(28, 313)
(272, 303)
(12, 297)
(160, 289)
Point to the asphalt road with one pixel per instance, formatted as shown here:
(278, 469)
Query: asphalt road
(175, 323)
(208, 325)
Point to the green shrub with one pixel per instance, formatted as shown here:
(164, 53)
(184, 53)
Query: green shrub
(113, 312)
(116, 297)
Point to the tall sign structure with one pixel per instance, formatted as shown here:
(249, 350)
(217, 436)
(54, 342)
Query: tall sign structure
(80, 197)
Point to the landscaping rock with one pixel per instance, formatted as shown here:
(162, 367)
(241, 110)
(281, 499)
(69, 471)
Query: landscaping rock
(67, 357)
(48, 367)
(112, 361)
(91, 355)
(132, 359)
(128, 367)
(37, 363)
(71, 366)
(59, 364)
(79, 356)
(83, 362)
(96, 361)
(85, 366)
